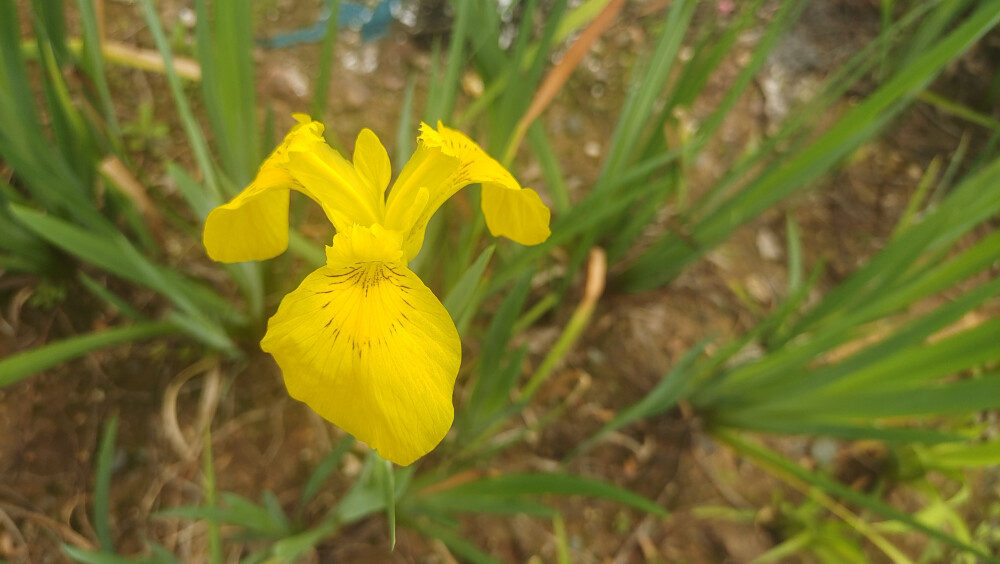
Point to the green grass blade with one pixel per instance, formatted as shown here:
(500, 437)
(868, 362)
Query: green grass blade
(965, 396)
(663, 397)
(118, 256)
(547, 157)
(405, 128)
(445, 503)
(648, 81)
(972, 202)
(102, 485)
(951, 457)
(326, 62)
(499, 332)
(208, 469)
(860, 124)
(773, 462)
(386, 480)
(195, 138)
(323, 470)
(94, 63)
(293, 546)
(442, 106)
(452, 540)
(920, 364)
(462, 296)
(959, 110)
(224, 41)
(17, 367)
(557, 484)
(493, 383)
(914, 332)
(94, 557)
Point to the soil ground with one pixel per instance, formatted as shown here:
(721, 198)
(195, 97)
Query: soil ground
(50, 424)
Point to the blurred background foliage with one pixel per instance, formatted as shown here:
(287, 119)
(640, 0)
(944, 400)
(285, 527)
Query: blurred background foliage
(839, 409)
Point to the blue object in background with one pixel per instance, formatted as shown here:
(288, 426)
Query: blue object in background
(374, 24)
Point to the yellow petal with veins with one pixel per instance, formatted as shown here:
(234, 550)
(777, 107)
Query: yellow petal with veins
(367, 345)
(446, 161)
(519, 215)
(372, 163)
(334, 183)
(254, 224)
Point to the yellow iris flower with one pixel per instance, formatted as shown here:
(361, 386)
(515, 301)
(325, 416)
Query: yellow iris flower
(362, 340)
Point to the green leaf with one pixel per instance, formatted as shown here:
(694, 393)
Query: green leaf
(323, 470)
(159, 556)
(955, 456)
(326, 61)
(94, 557)
(20, 366)
(110, 297)
(196, 139)
(102, 485)
(235, 510)
(662, 397)
(94, 63)
(808, 164)
(441, 105)
(208, 469)
(293, 546)
(465, 502)
(771, 461)
(462, 296)
(560, 484)
(794, 244)
(495, 344)
(117, 255)
(551, 171)
(386, 480)
(404, 129)
(452, 540)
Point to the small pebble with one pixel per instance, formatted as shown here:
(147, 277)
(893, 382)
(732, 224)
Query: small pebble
(768, 245)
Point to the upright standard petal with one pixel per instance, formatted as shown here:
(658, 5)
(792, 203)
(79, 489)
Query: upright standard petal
(446, 161)
(371, 161)
(327, 177)
(366, 345)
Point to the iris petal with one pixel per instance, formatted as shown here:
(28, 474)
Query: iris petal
(446, 161)
(368, 346)
(254, 224)
(372, 163)
(519, 215)
(334, 183)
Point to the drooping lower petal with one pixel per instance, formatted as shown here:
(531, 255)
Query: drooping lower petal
(369, 347)
(254, 225)
(519, 215)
